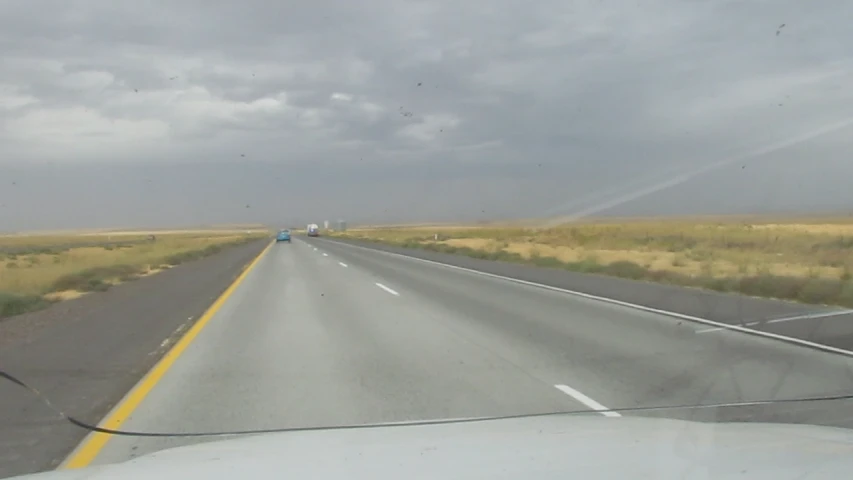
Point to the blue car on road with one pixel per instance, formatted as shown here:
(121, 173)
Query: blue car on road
(283, 236)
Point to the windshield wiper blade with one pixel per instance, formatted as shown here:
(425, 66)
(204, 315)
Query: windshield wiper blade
(130, 433)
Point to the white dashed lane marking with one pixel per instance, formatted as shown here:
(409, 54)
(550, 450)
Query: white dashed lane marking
(383, 287)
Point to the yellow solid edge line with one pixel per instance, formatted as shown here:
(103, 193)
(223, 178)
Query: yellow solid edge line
(86, 452)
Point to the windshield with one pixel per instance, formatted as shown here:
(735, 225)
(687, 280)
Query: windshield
(626, 209)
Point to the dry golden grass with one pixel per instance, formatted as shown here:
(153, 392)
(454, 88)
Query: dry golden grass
(35, 273)
(710, 249)
(55, 268)
(63, 295)
(18, 240)
(71, 236)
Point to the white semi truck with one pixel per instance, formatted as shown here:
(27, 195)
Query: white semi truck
(313, 230)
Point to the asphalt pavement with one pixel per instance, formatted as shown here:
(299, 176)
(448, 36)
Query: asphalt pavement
(322, 333)
(827, 326)
(85, 354)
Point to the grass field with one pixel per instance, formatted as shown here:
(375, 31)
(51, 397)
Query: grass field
(803, 259)
(36, 270)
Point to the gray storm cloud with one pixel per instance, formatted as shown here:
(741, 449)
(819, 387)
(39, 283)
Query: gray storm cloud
(169, 113)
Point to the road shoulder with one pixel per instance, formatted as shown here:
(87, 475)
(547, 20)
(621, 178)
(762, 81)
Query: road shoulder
(85, 354)
(820, 325)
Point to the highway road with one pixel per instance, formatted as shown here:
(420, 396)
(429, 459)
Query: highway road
(320, 333)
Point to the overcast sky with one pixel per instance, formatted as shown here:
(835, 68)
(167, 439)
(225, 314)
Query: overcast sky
(192, 112)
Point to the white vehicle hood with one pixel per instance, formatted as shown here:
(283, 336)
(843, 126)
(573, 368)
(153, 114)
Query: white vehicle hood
(547, 447)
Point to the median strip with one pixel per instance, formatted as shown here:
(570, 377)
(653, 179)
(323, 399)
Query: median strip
(32, 278)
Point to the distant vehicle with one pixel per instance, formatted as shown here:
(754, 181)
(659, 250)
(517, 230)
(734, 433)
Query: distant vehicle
(313, 230)
(283, 236)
